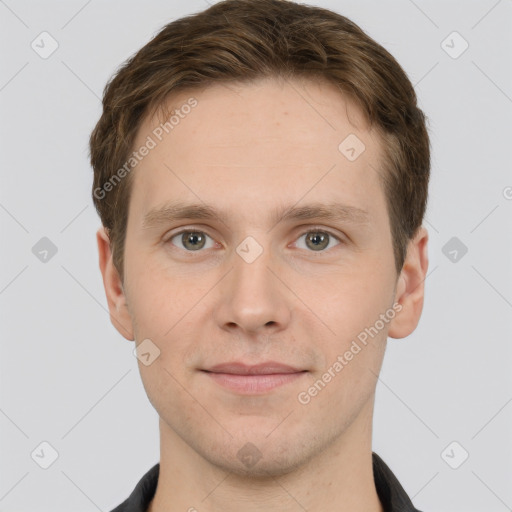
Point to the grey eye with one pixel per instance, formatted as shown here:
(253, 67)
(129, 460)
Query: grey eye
(191, 240)
(317, 241)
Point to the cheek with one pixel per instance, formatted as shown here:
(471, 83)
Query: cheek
(351, 361)
(154, 298)
(354, 354)
(164, 309)
(163, 389)
(355, 303)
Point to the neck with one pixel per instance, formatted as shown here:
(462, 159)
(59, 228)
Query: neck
(336, 480)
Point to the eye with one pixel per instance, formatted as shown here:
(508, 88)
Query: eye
(318, 240)
(192, 241)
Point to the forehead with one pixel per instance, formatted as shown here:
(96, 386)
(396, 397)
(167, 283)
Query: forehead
(265, 138)
(264, 108)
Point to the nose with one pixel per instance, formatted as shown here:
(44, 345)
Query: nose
(252, 300)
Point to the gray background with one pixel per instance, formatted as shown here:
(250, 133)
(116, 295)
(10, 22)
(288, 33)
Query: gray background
(68, 377)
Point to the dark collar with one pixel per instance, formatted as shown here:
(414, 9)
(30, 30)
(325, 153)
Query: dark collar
(390, 492)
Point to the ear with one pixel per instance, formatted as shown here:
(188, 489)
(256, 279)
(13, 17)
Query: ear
(117, 304)
(410, 287)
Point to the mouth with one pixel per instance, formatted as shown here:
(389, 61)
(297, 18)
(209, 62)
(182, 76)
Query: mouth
(253, 379)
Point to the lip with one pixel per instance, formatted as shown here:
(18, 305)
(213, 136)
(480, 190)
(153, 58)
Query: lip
(253, 379)
(265, 368)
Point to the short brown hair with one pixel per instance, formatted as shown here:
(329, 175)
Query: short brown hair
(244, 40)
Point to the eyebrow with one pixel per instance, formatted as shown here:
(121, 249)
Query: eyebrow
(174, 211)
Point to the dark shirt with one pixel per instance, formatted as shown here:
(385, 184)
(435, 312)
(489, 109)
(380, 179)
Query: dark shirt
(390, 492)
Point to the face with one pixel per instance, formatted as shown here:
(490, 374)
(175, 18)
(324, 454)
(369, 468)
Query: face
(254, 237)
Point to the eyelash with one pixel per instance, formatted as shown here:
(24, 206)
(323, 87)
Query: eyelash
(313, 229)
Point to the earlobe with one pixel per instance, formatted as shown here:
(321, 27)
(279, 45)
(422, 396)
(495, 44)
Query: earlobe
(116, 299)
(410, 288)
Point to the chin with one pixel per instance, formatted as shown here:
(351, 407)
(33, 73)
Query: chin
(263, 458)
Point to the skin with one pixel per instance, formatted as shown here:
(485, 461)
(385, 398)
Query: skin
(247, 149)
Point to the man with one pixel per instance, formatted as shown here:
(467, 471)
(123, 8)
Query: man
(261, 172)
